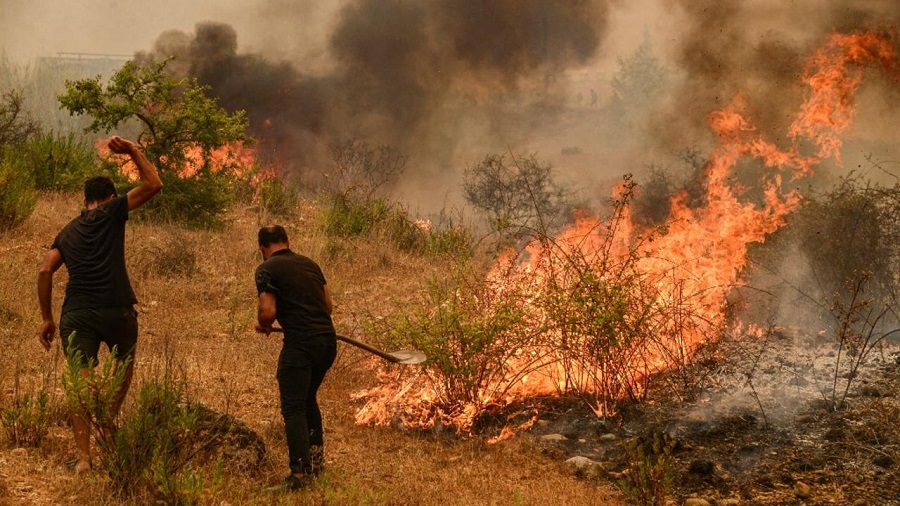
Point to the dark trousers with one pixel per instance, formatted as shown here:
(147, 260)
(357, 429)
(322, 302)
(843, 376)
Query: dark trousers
(301, 369)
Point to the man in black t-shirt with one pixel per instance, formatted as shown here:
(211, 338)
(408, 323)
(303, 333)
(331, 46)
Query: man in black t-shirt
(98, 307)
(292, 289)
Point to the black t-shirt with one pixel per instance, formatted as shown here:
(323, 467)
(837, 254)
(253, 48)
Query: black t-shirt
(93, 249)
(299, 288)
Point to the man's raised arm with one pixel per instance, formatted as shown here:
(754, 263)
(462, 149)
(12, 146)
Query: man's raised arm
(150, 185)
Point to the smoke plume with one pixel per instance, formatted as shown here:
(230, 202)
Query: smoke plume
(404, 73)
(449, 81)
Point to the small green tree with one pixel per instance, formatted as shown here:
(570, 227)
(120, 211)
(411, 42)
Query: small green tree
(181, 129)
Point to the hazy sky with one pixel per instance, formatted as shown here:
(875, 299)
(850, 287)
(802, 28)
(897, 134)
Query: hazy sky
(34, 28)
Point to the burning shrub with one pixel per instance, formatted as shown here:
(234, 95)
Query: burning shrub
(481, 342)
(182, 132)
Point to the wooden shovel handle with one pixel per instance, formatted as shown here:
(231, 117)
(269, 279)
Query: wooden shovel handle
(354, 342)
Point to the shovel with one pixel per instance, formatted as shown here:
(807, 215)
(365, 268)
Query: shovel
(405, 357)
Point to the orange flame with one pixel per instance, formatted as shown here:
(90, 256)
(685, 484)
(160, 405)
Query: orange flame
(695, 262)
(235, 157)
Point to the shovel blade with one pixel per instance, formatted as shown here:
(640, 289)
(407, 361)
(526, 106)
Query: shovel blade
(407, 357)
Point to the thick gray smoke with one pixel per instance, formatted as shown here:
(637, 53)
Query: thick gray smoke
(448, 81)
(404, 72)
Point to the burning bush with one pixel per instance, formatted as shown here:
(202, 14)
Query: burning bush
(481, 341)
(573, 314)
(182, 132)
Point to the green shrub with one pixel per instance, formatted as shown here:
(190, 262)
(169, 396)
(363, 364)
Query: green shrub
(397, 229)
(453, 241)
(148, 452)
(346, 216)
(651, 474)
(17, 194)
(28, 421)
(60, 162)
(197, 201)
(190, 132)
(479, 343)
(275, 196)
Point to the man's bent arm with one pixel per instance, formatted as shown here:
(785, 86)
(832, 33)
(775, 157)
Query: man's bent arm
(52, 262)
(265, 312)
(150, 185)
(328, 303)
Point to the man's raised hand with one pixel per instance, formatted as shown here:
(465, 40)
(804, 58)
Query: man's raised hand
(121, 146)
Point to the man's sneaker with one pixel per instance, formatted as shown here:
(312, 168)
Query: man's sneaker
(291, 483)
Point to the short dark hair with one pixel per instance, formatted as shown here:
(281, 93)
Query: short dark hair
(271, 235)
(98, 188)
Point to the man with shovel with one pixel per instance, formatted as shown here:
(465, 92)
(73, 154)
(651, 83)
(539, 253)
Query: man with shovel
(292, 289)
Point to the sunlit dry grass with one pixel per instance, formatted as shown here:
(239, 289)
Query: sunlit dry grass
(197, 305)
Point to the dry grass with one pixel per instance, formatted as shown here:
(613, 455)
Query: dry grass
(197, 304)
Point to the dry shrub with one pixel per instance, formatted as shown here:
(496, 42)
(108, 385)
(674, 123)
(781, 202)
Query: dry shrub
(831, 241)
(170, 257)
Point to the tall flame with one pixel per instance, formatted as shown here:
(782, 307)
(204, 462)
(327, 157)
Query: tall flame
(694, 263)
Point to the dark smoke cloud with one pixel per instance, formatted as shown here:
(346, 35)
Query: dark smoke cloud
(448, 81)
(399, 66)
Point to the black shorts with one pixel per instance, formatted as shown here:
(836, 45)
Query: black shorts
(115, 326)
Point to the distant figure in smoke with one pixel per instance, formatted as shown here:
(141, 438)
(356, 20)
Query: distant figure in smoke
(593, 98)
(292, 290)
(99, 303)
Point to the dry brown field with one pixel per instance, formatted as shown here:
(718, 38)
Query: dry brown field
(196, 313)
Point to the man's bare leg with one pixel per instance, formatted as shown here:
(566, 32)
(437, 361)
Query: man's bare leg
(123, 388)
(82, 431)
